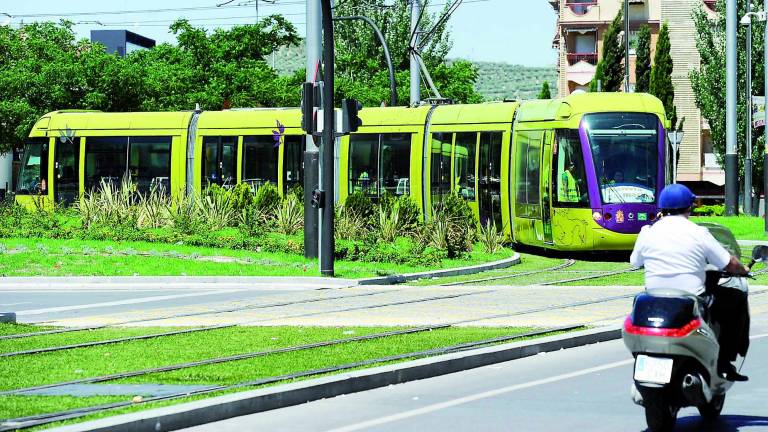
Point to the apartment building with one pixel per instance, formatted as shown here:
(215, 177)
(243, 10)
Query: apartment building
(579, 41)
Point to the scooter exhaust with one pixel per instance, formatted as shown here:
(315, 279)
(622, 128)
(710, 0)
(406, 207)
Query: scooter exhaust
(696, 390)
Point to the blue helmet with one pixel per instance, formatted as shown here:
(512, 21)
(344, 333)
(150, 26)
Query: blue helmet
(676, 197)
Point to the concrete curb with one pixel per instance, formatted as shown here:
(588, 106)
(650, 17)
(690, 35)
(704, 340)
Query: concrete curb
(170, 282)
(254, 401)
(229, 282)
(396, 279)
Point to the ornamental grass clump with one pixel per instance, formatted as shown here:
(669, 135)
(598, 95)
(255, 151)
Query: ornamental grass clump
(490, 238)
(289, 218)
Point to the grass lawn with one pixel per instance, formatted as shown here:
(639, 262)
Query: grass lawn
(30, 370)
(51, 257)
(743, 227)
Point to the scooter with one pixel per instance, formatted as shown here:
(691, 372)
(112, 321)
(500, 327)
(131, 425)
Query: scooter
(675, 346)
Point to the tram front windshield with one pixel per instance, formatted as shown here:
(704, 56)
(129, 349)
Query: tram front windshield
(625, 150)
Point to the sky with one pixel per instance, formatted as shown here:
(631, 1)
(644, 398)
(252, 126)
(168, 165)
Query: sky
(509, 31)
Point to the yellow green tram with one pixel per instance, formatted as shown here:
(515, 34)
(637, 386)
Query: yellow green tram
(539, 170)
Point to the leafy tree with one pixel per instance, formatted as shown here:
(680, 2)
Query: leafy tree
(709, 84)
(361, 70)
(545, 93)
(643, 63)
(44, 68)
(611, 66)
(661, 75)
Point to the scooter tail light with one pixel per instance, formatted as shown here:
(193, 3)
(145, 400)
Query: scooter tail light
(661, 332)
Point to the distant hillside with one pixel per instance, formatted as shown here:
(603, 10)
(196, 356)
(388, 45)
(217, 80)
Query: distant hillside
(497, 81)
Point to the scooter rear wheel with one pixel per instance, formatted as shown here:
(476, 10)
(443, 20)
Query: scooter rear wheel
(660, 415)
(711, 411)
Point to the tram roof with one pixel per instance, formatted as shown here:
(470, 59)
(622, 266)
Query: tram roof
(394, 116)
(79, 121)
(560, 109)
(494, 112)
(251, 118)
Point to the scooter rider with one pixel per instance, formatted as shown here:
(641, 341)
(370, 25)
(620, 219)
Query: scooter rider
(675, 253)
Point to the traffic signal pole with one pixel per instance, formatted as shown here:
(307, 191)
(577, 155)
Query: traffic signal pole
(312, 152)
(327, 244)
(731, 158)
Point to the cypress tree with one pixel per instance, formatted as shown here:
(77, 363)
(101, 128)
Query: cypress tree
(597, 78)
(545, 93)
(613, 56)
(661, 75)
(643, 63)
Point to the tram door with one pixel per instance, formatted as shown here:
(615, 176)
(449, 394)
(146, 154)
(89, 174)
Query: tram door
(489, 178)
(66, 153)
(546, 187)
(219, 161)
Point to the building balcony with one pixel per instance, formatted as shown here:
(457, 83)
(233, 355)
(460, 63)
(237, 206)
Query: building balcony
(580, 7)
(574, 58)
(580, 73)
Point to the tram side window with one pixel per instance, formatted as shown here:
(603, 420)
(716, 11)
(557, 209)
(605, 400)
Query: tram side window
(395, 164)
(293, 161)
(527, 157)
(260, 160)
(363, 164)
(105, 160)
(441, 165)
(33, 176)
(464, 164)
(570, 174)
(150, 163)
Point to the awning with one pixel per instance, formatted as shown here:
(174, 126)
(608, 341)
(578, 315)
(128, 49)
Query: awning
(581, 30)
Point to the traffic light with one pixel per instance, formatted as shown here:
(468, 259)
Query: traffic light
(349, 112)
(308, 107)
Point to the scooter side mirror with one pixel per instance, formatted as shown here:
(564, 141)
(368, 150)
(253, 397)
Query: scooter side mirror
(760, 254)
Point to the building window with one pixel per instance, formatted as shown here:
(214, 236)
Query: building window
(580, 7)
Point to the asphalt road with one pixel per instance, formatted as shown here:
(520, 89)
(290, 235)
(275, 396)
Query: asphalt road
(582, 389)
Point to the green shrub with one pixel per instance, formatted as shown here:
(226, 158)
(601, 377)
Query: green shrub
(452, 227)
(709, 210)
(358, 204)
(242, 197)
(267, 199)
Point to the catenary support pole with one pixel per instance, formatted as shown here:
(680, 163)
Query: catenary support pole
(312, 152)
(327, 178)
(415, 69)
(731, 161)
(748, 140)
(626, 46)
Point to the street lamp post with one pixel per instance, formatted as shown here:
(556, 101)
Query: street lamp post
(748, 140)
(747, 20)
(626, 46)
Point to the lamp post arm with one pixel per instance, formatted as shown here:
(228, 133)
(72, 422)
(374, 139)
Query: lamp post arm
(392, 83)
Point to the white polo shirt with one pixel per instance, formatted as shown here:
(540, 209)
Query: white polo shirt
(675, 253)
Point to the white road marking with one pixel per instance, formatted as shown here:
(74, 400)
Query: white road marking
(484, 395)
(471, 398)
(14, 304)
(119, 303)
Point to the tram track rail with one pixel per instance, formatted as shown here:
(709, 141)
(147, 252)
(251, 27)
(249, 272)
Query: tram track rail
(567, 263)
(43, 419)
(231, 325)
(243, 356)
